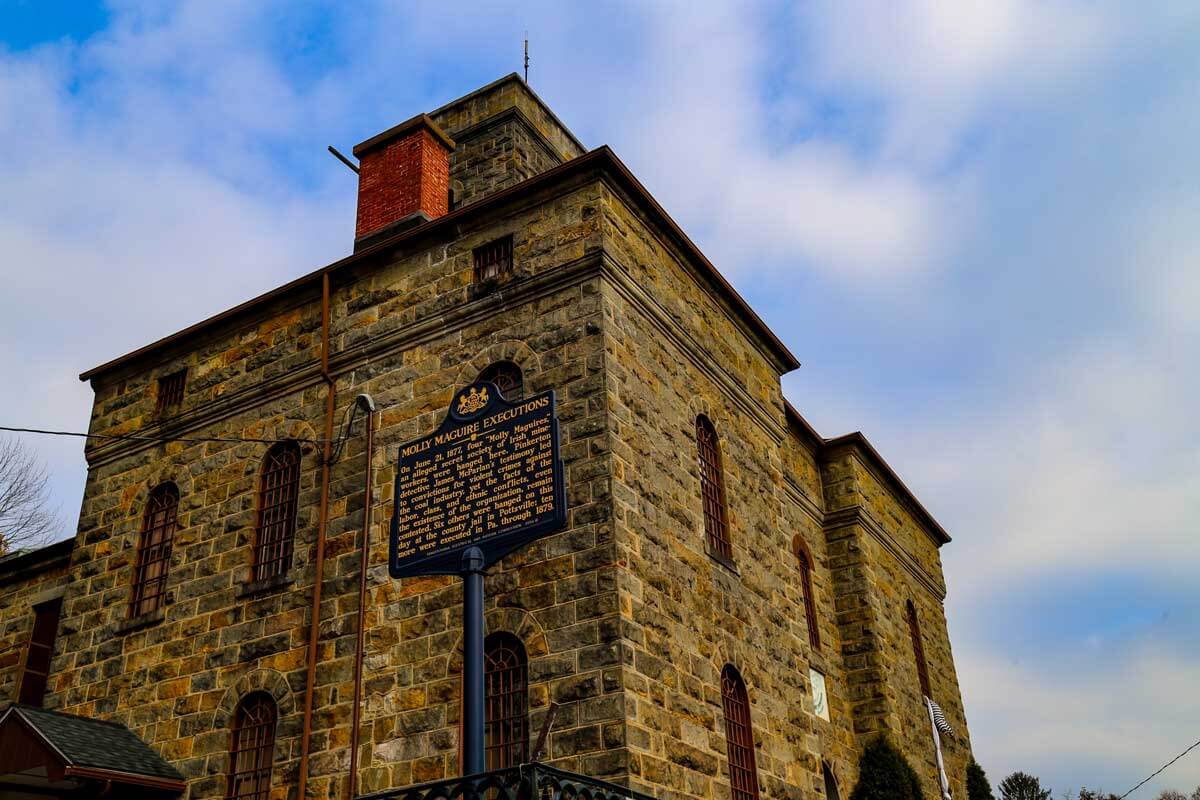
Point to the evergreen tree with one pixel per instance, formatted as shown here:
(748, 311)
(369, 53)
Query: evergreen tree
(1022, 786)
(884, 774)
(978, 787)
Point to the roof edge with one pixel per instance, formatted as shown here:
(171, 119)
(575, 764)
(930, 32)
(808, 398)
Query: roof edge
(57, 551)
(513, 77)
(602, 156)
(396, 131)
(858, 439)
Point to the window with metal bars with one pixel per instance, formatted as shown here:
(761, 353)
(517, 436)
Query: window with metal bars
(810, 607)
(154, 550)
(253, 748)
(278, 493)
(739, 736)
(507, 377)
(493, 259)
(41, 649)
(170, 390)
(712, 490)
(914, 631)
(506, 693)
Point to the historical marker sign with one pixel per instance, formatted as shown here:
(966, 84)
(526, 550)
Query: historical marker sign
(489, 477)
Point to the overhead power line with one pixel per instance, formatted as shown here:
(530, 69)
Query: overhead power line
(134, 437)
(1160, 769)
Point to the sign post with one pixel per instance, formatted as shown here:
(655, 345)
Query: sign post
(473, 700)
(486, 482)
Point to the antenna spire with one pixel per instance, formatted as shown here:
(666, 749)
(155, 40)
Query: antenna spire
(527, 56)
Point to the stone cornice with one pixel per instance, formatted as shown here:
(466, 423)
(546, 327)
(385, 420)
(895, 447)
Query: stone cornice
(858, 515)
(196, 420)
(795, 491)
(601, 162)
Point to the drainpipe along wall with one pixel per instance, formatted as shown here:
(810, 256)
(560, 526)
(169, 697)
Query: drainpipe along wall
(319, 577)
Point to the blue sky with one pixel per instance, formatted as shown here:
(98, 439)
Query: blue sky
(974, 222)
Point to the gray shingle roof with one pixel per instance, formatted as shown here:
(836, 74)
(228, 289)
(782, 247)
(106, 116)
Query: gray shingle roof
(96, 743)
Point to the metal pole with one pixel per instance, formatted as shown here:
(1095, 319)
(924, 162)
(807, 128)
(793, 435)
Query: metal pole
(363, 562)
(473, 720)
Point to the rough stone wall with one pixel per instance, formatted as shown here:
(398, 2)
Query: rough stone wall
(503, 134)
(835, 741)
(559, 594)
(409, 330)
(497, 156)
(908, 567)
(507, 93)
(626, 618)
(674, 353)
(19, 592)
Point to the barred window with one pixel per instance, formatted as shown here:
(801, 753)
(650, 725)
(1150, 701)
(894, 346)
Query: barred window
(154, 550)
(712, 490)
(810, 607)
(278, 491)
(493, 259)
(739, 736)
(170, 390)
(253, 748)
(41, 649)
(506, 692)
(507, 377)
(914, 631)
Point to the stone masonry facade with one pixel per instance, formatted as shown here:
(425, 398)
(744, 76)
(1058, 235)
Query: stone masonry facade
(626, 619)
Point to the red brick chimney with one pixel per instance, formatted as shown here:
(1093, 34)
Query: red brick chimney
(403, 178)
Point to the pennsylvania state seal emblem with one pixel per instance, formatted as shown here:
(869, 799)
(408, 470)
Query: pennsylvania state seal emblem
(472, 401)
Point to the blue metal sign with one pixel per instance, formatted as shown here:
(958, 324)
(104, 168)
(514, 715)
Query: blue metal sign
(489, 477)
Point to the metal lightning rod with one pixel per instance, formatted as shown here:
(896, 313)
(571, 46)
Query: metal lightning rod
(527, 56)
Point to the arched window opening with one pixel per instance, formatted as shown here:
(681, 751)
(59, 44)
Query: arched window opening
(154, 550)
(507, 377)
(810, 605)
(914, 631)
(739, 736)
(712, 490)
(506, 695)
(253, 748)
(831, 789)
(36, 674)
(278, 493)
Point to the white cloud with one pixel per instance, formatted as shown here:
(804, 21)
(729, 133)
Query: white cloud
(119, 228)
(697, 130)
(149, 178)
(1094, 717)
(937, 66)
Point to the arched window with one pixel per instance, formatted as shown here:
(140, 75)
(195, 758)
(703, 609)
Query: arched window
(914, 631)
(506, 695)
(507, 377)
(804, 559)
(278, 490)
(712, 490)
(154, 550)
(252, 749)
(739, 736)
(831, 789)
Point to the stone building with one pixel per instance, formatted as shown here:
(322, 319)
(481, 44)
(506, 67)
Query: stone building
(735, 607)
